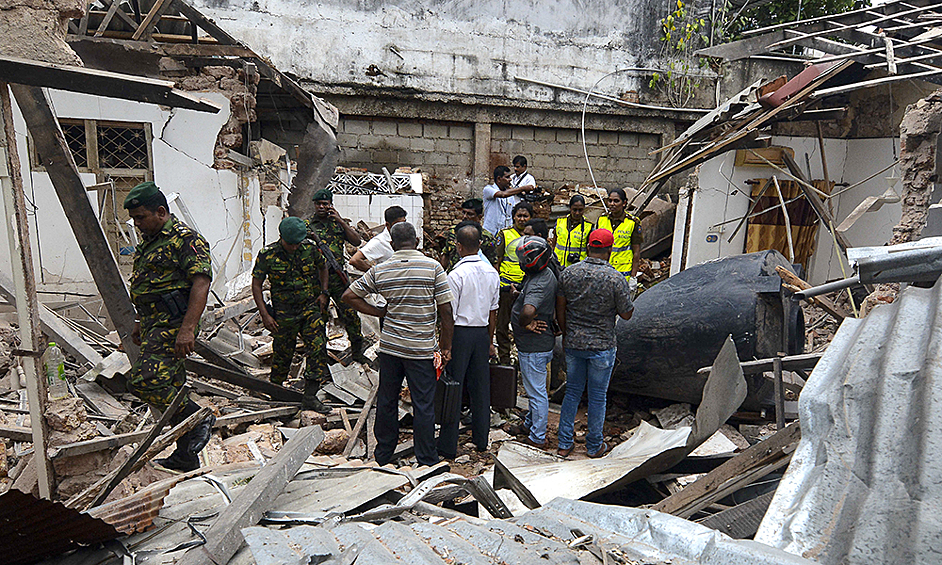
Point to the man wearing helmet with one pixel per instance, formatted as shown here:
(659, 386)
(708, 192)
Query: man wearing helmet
(532, 320)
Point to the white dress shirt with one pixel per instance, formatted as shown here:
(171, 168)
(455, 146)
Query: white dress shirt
(378, 248)
(475, 287)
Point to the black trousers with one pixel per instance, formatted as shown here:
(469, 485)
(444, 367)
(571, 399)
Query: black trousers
(470, 366)
(420, 375)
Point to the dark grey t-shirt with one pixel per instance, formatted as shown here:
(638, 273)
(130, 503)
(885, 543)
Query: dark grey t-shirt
(595, 293)
(538, 290)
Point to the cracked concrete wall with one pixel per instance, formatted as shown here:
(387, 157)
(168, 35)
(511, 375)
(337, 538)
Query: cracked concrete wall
(36, 29)
(920, 165)
(183, 155)
(454, 47)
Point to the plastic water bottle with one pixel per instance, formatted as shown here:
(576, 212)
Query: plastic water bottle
(54, 364)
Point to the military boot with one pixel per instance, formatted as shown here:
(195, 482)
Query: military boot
(309, 400)
(186, 455)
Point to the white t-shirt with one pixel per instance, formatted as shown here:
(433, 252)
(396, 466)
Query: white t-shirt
(378, 248)
(526, 179)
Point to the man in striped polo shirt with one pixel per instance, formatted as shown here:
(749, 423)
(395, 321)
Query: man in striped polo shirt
(416, 291)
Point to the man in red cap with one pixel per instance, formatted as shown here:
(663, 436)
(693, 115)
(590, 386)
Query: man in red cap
(590, 295)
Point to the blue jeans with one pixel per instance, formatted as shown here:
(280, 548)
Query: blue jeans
(533, 371)
(595, 369)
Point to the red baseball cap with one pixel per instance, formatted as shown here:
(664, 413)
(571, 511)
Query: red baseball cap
(601, 238)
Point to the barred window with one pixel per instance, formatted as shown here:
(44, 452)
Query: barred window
(122, 147)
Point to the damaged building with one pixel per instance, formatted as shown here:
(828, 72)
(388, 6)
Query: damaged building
(762, 410)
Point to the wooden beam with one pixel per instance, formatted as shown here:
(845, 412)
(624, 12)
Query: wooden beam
(82, 497)
(137, 461)
(826, 304)
(203, 22)
(276, 392)
(102, 83)
(361, 421)
(224, 537)
(118, 12)
(109, 15)
(811, 196)
(57, 159)
(16, 433)
(111, 442)
(27, 311)
(750, 465)
(789, 363)
(146, 28)
(52, 326)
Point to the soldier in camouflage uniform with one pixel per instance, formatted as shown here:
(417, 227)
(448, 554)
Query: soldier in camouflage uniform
(330, 229)
(472, 211)
(168, 287)
(297, 273)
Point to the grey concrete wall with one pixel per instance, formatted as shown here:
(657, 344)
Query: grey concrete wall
(455, 47)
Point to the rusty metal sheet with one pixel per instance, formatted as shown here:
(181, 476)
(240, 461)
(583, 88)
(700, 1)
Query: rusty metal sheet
(32, 529)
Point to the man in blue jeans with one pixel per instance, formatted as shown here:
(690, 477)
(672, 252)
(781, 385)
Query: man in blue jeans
(590, 294)
(532, 319)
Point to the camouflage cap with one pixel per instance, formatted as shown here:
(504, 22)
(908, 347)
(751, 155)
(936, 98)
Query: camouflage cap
(323, 194)
(141, 195)
(293, 230)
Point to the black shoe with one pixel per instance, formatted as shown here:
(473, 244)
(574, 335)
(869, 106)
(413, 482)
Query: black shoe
(179, 461)
(200, 435)
(316, 405)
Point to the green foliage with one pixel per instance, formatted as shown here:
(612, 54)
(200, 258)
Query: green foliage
(783, 11)
(681, 35)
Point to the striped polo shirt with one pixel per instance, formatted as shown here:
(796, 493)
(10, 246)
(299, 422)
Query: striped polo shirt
(413, 286)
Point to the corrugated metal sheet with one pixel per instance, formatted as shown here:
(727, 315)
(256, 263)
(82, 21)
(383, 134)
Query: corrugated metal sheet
(865, 484)
(545, 535)
(31, 528)
(136, 513)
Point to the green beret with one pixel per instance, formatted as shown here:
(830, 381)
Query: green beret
(293, 230)
(141, 195)
(323, 194)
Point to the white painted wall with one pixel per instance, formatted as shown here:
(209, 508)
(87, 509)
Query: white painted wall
(721, 198)
(451, 47)
(183, 157)
(370, 208)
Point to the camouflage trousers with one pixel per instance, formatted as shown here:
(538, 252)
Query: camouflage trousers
(347, 315)
(158, 374)
(309, 324)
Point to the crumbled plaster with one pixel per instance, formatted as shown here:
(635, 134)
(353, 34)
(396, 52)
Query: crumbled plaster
(919, 163)
(36, 29)
(240, 89)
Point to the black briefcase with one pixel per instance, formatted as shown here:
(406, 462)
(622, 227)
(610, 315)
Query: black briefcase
(503, 387)
(447, 399)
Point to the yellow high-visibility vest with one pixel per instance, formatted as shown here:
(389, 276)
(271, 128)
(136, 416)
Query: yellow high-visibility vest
(510, 271)
(622, 255)
(570, 242)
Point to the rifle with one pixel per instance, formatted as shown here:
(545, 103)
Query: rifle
(329, 256)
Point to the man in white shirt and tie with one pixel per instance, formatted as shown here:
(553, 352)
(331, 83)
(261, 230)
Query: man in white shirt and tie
(474, 286)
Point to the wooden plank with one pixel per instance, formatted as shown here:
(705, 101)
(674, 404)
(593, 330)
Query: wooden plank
(228, 311)
(111, 442)
(100, 401)
(150, 20)
(819, 208)
(233, 419)
(361, 421)
(121, 16)
(57, 159)
(758, 459)
(16, 433)
(824, 303)
(206, 388)
(29, 73)
(27, 311)
(109, 15)
(224, 537)
(209, 370)
(136, 462)
(203, 22)
(789, 363)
